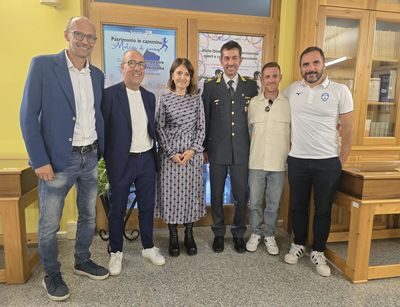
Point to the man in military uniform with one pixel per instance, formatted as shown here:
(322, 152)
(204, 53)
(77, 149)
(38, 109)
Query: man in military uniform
(226, 98)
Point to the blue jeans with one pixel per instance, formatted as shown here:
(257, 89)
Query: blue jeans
(268, 186)
(81, 171)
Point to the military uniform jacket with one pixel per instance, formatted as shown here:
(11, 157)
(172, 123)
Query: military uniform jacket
(227, 135)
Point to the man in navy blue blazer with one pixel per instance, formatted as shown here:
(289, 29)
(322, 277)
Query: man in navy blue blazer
(130, 155)
(62, 126)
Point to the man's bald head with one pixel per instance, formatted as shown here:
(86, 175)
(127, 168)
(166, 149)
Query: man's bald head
(71, 22)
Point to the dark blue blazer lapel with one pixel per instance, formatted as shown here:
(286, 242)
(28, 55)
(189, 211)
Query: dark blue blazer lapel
(62, 73)
(222, 88)
(123, 99)
(97, 86)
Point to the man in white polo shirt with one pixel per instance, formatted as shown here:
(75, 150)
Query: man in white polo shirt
(315, 161)
(269, 125)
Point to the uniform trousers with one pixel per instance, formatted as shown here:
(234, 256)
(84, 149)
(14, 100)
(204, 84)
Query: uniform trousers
(239, 175)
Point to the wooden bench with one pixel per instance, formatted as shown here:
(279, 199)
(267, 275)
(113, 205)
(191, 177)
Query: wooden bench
(362, 212)
(366, 190)
(18, 189)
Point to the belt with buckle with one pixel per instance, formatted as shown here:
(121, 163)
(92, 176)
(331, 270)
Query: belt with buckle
(139, 153)
(86, 148)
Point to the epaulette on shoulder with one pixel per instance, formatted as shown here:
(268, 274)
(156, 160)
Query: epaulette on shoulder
(210, 79)
(246, 78)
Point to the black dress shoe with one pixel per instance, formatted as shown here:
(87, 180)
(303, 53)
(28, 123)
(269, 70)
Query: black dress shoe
(218, 244)
(239, 245)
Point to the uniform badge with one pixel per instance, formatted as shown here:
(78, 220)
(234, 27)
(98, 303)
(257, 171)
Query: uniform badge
(247, 102)
(324, 96)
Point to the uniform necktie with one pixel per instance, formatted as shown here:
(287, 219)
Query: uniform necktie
(231, 89)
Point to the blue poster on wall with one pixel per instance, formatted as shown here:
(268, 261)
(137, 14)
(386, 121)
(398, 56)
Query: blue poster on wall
(158, 47)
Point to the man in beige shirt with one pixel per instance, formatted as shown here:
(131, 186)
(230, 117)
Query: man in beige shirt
(269, 125)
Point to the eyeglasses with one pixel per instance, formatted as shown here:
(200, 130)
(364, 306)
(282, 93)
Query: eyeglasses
(80, 36)
(268, 107)
(133, 63)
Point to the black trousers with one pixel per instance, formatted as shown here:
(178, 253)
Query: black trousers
(323, 176)
(239, 175)
(141, 171)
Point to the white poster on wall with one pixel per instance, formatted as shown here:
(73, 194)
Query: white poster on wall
(209, 54)
(156, 45)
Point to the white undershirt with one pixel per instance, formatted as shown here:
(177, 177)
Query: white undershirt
(141, 140)
(235, 80)
(85, 119)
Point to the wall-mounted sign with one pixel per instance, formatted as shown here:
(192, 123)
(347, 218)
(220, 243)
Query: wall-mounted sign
(156, 45)
(209, 54)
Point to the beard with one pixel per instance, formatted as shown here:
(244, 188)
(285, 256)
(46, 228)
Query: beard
(313, 76)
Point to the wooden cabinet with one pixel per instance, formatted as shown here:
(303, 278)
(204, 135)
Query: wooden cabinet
(379, 5)
(387, 5)
(380, 112)
(361, 40)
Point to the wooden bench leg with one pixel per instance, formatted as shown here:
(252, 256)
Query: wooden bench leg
(17, 267)
(360, 233)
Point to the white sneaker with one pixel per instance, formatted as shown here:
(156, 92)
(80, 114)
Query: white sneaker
(153, 254)
(272, 247)
(115, 264)
(253, 242)
(295, 253)
(318, 258)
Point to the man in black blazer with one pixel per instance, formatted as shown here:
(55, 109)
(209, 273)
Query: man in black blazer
(227, 141)
(130, 155)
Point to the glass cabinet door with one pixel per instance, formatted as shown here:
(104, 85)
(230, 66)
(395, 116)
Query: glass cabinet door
(340, 44)
(340, 34)
(383, 84)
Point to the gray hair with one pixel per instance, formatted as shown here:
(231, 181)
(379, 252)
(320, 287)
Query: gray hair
(128, 51)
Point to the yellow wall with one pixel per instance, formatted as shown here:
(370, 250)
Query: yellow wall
(28, 28)
(287, 39)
